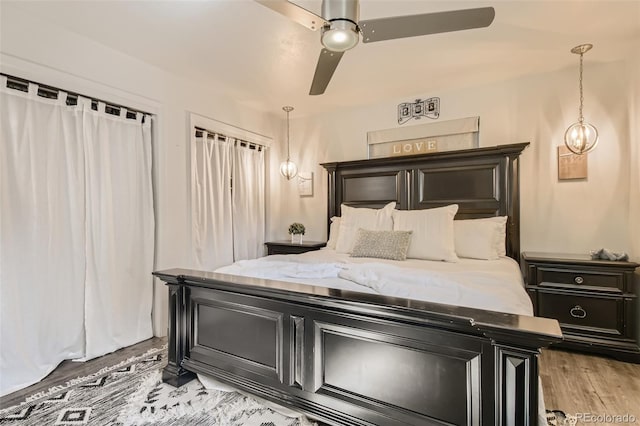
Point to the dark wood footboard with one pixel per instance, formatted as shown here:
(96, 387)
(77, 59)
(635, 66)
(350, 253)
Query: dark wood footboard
(349, 358)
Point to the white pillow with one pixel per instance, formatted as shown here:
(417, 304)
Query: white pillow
(481, 238)
(334, 231)
(355, 218)
(432, 232)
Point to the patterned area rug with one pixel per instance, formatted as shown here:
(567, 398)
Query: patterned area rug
(132, 393)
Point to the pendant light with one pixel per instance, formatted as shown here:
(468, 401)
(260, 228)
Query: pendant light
(581, 137)
(288, 168)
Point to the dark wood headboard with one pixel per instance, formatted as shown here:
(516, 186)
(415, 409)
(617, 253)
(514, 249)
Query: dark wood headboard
(484, 182)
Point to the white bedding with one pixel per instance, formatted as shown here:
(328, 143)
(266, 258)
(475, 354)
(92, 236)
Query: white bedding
(494, 285)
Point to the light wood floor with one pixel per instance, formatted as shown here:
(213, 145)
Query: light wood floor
(572, 382)
(579, 383)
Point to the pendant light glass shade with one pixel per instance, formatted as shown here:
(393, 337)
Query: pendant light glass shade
(581, 137)
(288, 168)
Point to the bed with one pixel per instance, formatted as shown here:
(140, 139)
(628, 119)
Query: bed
(352, 355)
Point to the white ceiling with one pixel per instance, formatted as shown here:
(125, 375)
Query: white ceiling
(263, 60)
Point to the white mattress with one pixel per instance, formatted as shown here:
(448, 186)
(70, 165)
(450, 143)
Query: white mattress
(494, 285)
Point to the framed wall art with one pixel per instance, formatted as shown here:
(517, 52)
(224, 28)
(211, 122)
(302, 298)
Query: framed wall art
(305, 184)
(571, 166)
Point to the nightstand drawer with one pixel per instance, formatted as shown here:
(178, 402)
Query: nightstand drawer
(592, 280)
(583, 313)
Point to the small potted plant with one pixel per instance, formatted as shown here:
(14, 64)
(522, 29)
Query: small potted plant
(297, 231)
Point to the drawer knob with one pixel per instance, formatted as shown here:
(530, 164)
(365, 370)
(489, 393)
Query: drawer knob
(578, 280)
(578, 312)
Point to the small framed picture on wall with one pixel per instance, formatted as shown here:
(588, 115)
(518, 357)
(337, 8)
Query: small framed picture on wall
(305, 184)
(571, 166)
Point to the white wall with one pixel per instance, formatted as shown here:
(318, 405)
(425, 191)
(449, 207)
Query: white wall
(561, 216)
(35, 50)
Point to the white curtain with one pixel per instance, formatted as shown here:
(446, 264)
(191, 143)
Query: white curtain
(227, 201)
(119, 229)
(41, 224)
(248, 203)
(211, 202)
(76, 234)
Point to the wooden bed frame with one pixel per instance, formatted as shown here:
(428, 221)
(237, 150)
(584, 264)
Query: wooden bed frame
(349, 358)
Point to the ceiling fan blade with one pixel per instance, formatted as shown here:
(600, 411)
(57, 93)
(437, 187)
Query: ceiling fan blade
(327, 63)
(295, 13)
(423, 24)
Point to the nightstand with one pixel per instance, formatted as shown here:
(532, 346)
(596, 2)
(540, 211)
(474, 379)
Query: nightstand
(287, 247)
(593, 300)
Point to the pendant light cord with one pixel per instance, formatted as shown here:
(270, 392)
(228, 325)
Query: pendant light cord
(288, 145)
(288, 109)
(581, 118)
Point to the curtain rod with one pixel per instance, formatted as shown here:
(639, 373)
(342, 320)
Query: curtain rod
(252, 145)
(51, 92)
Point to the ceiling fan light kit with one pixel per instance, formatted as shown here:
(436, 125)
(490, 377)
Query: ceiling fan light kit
(341, 28)
(342, 33)
(341, 36)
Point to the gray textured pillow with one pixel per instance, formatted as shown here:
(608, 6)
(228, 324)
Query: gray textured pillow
(392, 245)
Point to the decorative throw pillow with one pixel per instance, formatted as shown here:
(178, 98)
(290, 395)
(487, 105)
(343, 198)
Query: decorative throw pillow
(334, 230)
(381, 244)
(432, 232)
(481, 238)
(354, 218)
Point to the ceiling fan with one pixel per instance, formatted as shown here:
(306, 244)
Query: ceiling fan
(341, 28)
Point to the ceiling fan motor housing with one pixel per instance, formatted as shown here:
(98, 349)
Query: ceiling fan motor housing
(341, 9)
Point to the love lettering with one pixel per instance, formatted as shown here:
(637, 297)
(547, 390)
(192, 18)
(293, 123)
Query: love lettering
(409, 148)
